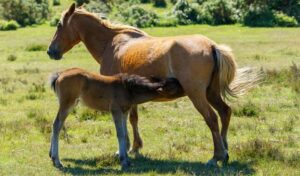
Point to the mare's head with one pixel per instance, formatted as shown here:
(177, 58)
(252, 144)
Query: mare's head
(65, 36)
(77, 24)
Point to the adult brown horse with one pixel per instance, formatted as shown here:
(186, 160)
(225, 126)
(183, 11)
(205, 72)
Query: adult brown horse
(204, 69)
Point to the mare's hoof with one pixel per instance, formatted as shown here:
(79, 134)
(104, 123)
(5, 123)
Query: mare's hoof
(212, 163)
(226, 159)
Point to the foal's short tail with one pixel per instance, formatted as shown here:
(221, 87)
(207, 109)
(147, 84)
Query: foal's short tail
(233, 81)
(53, 79)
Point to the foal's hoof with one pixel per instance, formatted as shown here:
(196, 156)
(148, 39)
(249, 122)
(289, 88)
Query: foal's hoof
(57, 163)
(212, 163)
(125, 165)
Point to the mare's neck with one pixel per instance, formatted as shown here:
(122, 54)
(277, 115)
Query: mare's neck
(95, 37)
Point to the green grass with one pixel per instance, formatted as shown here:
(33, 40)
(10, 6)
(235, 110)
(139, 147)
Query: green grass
(264, 130)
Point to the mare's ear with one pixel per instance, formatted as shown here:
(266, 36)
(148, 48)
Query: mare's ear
(71, 9)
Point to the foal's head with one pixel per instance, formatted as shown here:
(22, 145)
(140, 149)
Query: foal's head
(143, 89)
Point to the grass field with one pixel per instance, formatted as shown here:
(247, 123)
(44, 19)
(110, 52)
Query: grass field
(264, 133)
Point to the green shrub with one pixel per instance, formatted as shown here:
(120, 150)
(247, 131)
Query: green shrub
(8, 25)
(12, 58)
(56, 2)
(145, 1)
(260, 16)
(98, 6)
(282, 19)
(289, 7)
(217, 12)
(2, 24)
(173, 1)
(80, 2)
(160, 3)
(25, 12)
(54, 21)
(184, 12)
(36, 47)
(11, 25)
(139, 17)
(265, 13)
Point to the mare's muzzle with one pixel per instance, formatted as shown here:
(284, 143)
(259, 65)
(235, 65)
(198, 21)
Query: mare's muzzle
(54, 54)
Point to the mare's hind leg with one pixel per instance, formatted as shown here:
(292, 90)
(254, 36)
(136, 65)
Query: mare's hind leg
(224, 111)
(198, 97)
(137, 140)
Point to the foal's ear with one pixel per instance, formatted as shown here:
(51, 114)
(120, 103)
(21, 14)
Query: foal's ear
(71, 9)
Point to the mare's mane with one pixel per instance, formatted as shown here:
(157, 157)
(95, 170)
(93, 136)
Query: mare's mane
(106, 23)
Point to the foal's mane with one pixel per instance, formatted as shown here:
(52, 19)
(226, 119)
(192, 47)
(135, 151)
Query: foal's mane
(139, 84)
(107, 24)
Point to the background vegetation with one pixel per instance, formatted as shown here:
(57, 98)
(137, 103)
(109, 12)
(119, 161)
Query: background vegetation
(263, 134)
(148, 13)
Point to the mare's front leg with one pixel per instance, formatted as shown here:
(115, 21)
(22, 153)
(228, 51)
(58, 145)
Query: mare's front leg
(137, 140)
(120, 120)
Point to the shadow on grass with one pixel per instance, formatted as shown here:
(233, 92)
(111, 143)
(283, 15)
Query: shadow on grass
(142, 164)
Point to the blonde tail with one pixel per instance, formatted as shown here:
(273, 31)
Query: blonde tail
(227, 69)
(233, 81)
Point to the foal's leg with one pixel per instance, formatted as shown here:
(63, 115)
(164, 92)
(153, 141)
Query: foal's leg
(57, 125)
(137, 140)
(201, 104)
(120, 123)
